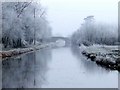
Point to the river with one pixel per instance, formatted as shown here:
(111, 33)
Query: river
(56, 68)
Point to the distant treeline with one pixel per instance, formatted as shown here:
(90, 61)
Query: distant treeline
(92, 32)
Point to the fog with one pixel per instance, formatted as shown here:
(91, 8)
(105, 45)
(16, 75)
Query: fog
(66, 16)
(41, 59)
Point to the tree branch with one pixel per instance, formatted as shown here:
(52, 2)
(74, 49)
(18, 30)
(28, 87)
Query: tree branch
(24, 6)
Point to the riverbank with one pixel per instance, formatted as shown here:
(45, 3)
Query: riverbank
(105, 56)
(14, 52)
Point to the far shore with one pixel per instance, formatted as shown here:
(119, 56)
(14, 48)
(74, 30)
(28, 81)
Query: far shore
(19, 51)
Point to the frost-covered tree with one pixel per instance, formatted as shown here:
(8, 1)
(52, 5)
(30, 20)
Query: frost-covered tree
(23, 23)
(92, 32)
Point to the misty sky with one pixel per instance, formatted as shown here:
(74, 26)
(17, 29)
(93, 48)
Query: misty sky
(66, 16)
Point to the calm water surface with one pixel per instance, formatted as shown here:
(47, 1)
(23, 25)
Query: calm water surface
(56, 68)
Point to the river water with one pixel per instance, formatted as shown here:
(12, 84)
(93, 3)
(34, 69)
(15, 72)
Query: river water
(56, 68)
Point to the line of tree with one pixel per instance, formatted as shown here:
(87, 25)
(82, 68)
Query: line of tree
(20, 21)
(92, 32)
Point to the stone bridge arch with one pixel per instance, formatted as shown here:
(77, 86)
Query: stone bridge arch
(66, 39)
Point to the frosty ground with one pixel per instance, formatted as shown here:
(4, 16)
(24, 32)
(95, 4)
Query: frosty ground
(14, 52)
(18, 51)
(103, 55)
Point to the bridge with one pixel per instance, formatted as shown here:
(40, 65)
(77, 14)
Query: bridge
(66, 39)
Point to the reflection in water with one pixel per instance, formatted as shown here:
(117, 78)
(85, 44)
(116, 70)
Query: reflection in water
(90, 66)
(56, 68)
(26, 71)
(69, 69)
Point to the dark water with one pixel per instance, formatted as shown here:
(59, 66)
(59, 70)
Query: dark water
(56, 68)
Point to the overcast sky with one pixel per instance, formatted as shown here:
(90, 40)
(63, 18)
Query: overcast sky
(66, 16)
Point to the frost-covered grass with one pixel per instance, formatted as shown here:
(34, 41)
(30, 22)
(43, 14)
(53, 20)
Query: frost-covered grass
(107, 56)
(99, 48)
(18, 51)
(12, 52)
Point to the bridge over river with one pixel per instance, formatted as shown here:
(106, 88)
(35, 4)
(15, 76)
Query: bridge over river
(66, 39)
